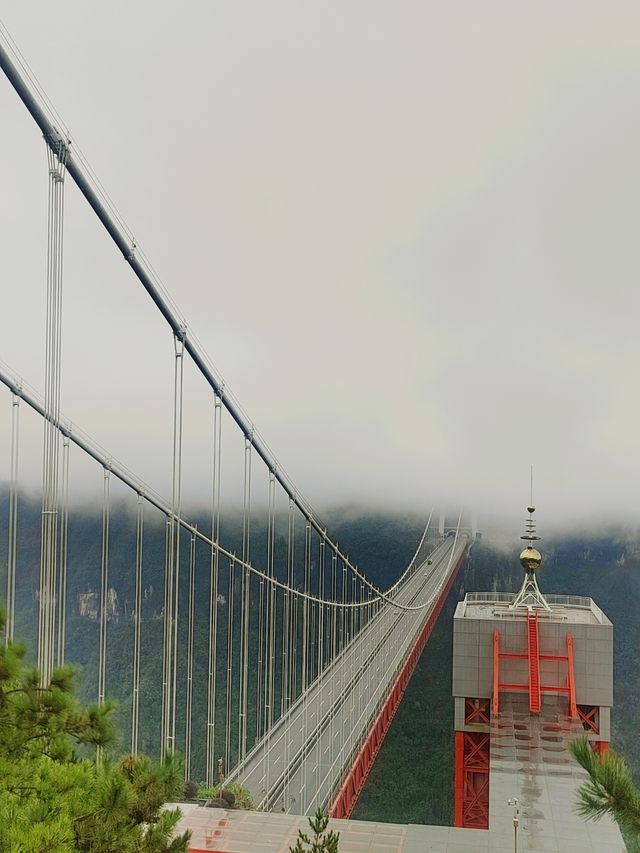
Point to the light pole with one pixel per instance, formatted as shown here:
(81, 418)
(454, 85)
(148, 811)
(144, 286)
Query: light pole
(516, 822)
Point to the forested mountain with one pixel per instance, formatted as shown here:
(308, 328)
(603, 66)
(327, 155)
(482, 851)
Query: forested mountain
(406, 783)
(381, 543)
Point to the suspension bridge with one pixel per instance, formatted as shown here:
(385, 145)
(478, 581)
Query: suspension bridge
(305, 658)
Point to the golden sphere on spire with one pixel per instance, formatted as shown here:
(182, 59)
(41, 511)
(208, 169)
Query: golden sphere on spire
(530, 559)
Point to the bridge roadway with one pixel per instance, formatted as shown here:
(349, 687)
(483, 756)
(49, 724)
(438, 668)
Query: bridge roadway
(299, 765)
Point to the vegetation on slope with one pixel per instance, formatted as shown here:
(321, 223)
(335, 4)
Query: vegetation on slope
(609, 791)
(319, 840)
(53, 796)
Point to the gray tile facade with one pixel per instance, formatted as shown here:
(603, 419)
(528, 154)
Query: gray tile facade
(592, 635)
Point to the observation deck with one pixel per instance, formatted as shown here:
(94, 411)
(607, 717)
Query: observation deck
(527, 680)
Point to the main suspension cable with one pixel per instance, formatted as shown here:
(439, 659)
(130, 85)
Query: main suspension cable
(94, 193)
(92, 449)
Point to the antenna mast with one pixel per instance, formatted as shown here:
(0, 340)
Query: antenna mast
(530, 597)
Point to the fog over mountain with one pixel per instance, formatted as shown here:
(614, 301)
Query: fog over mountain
(405, 233)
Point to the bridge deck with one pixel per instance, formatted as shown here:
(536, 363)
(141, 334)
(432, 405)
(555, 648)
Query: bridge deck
(300, 764)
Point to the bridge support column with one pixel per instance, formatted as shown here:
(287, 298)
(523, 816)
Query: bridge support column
(471, 786)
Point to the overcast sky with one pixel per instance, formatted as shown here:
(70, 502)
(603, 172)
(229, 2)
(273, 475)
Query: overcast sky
(406, 233)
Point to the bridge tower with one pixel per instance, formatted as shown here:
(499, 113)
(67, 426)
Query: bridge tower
(530, 673)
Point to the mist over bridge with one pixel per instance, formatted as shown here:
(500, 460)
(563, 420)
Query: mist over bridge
(307, 658)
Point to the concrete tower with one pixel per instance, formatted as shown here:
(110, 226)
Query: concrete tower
(529, 674)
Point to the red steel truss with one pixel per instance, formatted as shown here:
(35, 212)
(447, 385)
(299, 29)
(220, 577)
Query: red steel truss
(347, 796)
(589, 717)
(533, 646)
(534, 688)
(471, 809)
(477, 711)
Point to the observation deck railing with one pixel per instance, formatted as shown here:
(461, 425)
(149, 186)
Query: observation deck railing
(575, 602)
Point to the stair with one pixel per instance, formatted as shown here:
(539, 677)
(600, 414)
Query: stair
(534, 662)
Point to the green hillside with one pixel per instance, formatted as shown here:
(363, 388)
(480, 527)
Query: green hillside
(412, 778)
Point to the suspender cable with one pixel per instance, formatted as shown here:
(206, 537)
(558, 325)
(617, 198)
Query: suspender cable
(293, 602)
(305, 608)
(334, 610)
(245, 599)
(287, 635)
(264, 627)
(293, 693)
(415, 562)
(369, 644)
(334, 648)
(213, 594)
(229, 690)
(313, 621)
(363, 651)
(349, 620)
(165, 611)
(176, 528)
(352, 622)
(294, 647)
(260, 657)
(51, 444)
(321, 609)
(104, 586)
(271, 623)
(137, 619)
(320, 654)
(189, 691)
(305, 658)
(12, 533)
(64, 531)
(343, 634)
(286, 623)
(172, 574)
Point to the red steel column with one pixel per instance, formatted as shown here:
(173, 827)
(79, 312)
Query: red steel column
(458, 784)
(475, 780)
(533, 644)
(571, 680)
(495, 700)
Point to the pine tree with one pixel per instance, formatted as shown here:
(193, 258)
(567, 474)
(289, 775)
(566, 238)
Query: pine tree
(609, 790)
(55, 797)
(320, 843)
